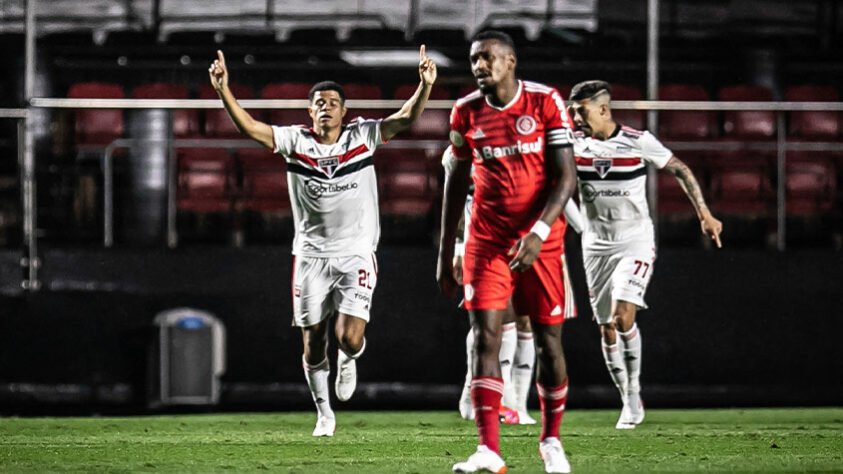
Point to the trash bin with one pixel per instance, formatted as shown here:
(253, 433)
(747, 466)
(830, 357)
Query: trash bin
(187, 358)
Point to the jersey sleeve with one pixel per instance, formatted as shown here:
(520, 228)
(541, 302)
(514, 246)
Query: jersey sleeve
(462, 151)
(557, 124)
(370, 130)
(284, 139)
(653, 151)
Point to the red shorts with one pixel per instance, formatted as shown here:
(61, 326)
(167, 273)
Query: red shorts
(538, 292)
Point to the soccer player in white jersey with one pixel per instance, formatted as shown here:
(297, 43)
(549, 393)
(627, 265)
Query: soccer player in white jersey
(334, 198)
(618, 242)
(518, 352)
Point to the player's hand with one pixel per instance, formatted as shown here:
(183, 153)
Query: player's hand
(526, 251)
(712, 228)
(445, 278)
(457, 271)
(218, 72)
(427, 68)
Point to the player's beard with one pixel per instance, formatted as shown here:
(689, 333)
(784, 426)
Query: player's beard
(488, 89)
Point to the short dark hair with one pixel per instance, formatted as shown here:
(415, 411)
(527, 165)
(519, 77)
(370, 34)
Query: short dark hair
(496, 35)
(326, 86)
(587, 89)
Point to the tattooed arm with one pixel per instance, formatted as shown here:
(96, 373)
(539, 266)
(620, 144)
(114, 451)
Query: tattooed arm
(709, 224)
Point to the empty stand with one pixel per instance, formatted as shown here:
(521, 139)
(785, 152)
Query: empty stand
(360, 91)
(217, 122)
(816, 125)
(754, 125)
(433, 123)
(290, 91)
(206, 180)
(97, 126)
(636, 119)
(681, 124)
(185, 121)
(810, 184)
(741, 184)
(264, 181)
(408, 188)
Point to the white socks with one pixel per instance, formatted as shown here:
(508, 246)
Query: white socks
(509, 341)
(522, 369)
(630, 343)
(355, 356)
(317, 381)
(615, 363)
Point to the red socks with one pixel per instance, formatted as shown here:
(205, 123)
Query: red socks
(486, 393)
(552, 401)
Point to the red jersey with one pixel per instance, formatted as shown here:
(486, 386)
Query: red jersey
(511, 184)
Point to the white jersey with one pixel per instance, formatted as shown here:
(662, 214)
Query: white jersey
(333, 190)
(612, 183)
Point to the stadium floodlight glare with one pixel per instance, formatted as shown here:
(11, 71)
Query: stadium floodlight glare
(391, 57)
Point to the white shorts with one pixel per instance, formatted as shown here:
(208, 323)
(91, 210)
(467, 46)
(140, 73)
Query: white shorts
(622, 276)
(324, 286)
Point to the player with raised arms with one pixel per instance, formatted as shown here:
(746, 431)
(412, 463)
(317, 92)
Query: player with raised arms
(333, 192)
(519, 136)
(618, 242)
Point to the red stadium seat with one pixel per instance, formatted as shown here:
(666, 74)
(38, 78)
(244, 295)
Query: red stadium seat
(97, 126)
(685, 125)
(185, 121)
(407, 183)
(741, 184)
(217, 122)
(672, 201)
(433, 123)
(748, 124)
(810, 184)
(205, 180)
(816, 125)
(355, 91)
(636, 119)
(264, 181)
(288, 90)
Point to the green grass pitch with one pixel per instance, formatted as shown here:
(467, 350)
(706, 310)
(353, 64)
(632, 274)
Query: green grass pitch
(735, 440)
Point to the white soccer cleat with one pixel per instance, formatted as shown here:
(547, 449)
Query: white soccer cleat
(325, 426)
(553, 455)
(625, 421)
(524, 418)
(346, 381)
(466, 408)
(483, 460)
(636, 407)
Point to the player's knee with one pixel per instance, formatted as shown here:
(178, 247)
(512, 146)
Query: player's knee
(608, 332)
(349, 341)
(522, 323)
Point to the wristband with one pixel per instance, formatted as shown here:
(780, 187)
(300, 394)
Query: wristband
(459, 249)
(541, 229)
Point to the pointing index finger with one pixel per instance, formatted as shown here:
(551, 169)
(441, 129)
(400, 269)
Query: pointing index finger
(421, 53)
(220, 56)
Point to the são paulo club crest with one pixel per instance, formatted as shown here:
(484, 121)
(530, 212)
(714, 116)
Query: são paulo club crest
(525, 124)
(328, 165)
(602, 166)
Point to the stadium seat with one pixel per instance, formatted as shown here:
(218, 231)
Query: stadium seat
(206, 180)
(433, 123)
(185, 121)
(408, 190)
(217, 122)
(754, 125)
(741, 184)
(636, 119)
(358, 91)
(810, 184)
(672, 201)
(816, 125)
(685, 125)
(264, 181)
(292, 91)
(97, 126)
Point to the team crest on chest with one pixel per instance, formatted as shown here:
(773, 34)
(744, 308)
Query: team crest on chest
(328, 165)
(525, 125)
(602, 166)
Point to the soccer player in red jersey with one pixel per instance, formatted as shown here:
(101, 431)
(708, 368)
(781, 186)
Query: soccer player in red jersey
(520, 138)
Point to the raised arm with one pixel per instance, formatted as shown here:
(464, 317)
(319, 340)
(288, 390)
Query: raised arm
(453, 202)
(710, 226)
(561, 161)
(414, 106)
(254, 129)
